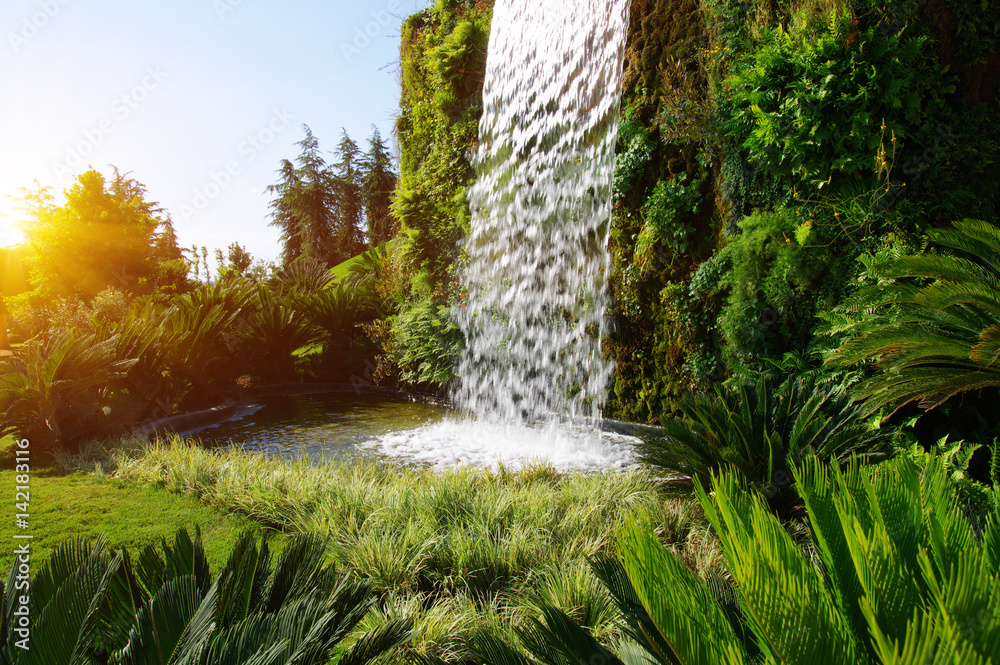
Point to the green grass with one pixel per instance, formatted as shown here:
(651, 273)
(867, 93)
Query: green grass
(129, 514)
(459, 550)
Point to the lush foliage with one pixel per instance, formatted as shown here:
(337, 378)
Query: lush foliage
(321, 209)
(458, 551)
(765, 431)
(930, 322)
(899, 574)
(810, 107)
(104, 368)
(815, 131)
(91, 605)
(105, 234)
(444, 62)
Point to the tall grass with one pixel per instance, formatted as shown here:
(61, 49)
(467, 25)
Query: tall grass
(459, 550)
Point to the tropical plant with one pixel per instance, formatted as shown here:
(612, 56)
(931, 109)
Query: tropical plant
(933, 340)
(772, 270)
(764, 430)
(899, 575)
(198, 329)
(272, 334)
(55, 391)
(304, 275)
(809, 109)
(426, 343)
(668, 210)
(90, 605)
(369, 278)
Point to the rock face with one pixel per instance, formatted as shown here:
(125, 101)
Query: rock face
(763, 149)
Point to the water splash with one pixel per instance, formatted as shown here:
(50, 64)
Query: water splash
(538, 263)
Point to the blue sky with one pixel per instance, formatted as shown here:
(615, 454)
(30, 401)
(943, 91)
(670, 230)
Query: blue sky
(199, 99)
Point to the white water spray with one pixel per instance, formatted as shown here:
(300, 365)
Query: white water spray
(532, 375)
(538, 261)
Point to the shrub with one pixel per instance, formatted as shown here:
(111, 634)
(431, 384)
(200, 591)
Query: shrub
(809, 109)
(56, 391)
(765, 431)
(426, 343)
(773, 268)
(668, 212)
(95, 606)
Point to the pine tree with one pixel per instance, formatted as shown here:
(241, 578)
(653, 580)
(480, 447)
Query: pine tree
(282, 212)
(378, 184)
(348, 189)
(304, 207)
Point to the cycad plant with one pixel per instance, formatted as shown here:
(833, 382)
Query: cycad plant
(897, 573)
(270, 336)
(763, 429)
(55, 390)
(931, 325)
(199, 325)
(92, 606)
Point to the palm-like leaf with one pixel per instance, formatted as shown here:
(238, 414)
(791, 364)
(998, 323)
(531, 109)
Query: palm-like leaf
(172, 626)
(198, 325)
(275, 330)
(55, 390)
(902, 578)
(335, 310)
(90, 606)
(764, 431)
(938, 340)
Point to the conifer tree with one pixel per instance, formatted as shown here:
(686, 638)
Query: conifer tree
(379, 181)
(348, 187)
(303, 209)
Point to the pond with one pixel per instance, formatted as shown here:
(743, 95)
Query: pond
(347, 427)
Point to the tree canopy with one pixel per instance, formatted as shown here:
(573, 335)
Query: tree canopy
(321, 209)
(106, 234)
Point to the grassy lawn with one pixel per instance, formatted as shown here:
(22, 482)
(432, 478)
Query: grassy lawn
(129, 514)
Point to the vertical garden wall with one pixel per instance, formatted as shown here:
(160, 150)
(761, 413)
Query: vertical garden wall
(767, 151)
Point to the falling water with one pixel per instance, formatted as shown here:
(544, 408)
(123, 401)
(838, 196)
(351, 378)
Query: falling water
(538, 263)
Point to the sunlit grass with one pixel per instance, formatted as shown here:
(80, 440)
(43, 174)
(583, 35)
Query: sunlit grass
(67, 505)
(460, 550)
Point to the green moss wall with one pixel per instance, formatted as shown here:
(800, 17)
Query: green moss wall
(766, 148)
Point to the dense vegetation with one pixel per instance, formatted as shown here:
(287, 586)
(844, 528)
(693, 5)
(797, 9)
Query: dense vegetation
(95, 605)
(806, 274)
(769, 157)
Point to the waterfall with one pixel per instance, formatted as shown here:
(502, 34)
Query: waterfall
(538, 266)
(532, 378)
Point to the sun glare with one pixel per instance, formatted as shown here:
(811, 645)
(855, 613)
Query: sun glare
(10, 234)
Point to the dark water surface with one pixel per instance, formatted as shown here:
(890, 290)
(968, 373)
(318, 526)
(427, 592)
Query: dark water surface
(321, 426)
